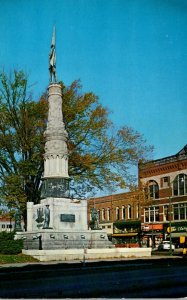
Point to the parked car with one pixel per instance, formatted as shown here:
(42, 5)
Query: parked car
(165, 245)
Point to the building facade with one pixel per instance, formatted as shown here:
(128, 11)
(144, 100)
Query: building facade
(164, 182)
(119, 215)
(6, 224)
(159, 206)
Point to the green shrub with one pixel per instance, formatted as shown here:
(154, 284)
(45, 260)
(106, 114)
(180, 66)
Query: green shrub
(11, 246)
(8, 245)
(6, 235)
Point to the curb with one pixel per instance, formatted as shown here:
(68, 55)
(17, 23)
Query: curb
(80, 262)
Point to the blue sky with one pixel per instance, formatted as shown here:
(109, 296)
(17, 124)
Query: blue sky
(131, 53)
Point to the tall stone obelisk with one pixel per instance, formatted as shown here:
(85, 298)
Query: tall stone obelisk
(56, 211)
(56, 178)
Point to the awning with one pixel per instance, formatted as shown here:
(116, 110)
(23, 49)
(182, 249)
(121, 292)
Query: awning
(154, 233)
(178, 234)
(124, 234)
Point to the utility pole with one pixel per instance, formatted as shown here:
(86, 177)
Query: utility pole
(170, 213)
(152, 215)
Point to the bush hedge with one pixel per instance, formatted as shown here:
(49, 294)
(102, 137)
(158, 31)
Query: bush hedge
(8, 245)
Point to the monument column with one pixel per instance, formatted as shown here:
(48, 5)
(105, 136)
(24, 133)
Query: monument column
(56, 178)
(56, 153)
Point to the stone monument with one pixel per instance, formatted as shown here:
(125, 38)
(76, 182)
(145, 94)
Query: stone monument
(58, 222)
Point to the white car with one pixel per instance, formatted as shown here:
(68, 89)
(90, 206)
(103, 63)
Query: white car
(165, 245)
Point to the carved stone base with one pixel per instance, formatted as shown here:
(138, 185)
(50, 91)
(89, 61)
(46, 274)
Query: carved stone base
(51, 239)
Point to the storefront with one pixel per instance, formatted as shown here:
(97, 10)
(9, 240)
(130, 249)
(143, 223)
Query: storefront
(152, 235)
(126, 234)
(176, 230)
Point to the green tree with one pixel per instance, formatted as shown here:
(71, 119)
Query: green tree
(22, 122)
(100, 155)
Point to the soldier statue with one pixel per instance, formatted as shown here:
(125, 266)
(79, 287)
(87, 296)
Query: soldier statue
(18, 221)
(95, 219)
(46, 217)
(52, 60)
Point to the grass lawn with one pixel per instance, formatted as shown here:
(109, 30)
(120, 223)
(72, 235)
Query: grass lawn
(19, 258)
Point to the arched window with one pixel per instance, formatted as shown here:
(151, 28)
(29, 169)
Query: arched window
(180, 185)
(117, 213)
(153, 190)
(137, 211)
(123, 212)
(108, 214)
(103, 214)
(129, 211)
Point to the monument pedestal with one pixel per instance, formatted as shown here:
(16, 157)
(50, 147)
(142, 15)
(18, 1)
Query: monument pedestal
(52, 240)
(59, 214)
(60, 223)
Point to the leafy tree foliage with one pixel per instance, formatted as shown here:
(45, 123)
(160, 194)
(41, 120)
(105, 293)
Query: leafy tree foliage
(100, 156)
(22, 122)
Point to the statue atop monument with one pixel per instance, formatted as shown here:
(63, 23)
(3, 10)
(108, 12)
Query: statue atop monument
(52, 59)
(94, 219)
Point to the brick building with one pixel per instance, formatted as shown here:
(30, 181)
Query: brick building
(144, 217)
(119, 215)
(164, 182)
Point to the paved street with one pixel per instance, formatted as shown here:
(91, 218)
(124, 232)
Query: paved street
(152, 278)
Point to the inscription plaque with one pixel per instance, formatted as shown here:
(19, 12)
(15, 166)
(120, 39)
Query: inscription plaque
(67, 218)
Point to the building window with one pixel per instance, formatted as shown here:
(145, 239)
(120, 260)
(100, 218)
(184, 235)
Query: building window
(165, 181)
(123, 212)
(129, 212)
(9, 226)
(180, 185)
(137, 211)
(166, 213)
(151, 211)
(176, 212)
(180, 211)
(146, 214)
(151, 214)
(153, 189)
(157, 213)
(117, 213)
(103, 214)
(3, 226)
(108, 214)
